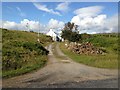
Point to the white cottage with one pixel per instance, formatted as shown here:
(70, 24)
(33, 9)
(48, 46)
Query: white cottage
(53, 35)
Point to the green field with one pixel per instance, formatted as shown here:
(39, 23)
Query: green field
(109, 60)
(21, 53)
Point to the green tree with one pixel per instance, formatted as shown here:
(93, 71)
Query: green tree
(69, 34)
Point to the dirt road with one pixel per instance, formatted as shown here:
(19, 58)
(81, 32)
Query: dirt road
(61, 71)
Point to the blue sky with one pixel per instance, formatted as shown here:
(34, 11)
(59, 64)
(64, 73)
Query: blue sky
(18, 11)
(10, 12)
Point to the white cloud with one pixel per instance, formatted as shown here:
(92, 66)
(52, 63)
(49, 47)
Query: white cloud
(89, 11)
(63, 6)
(112, 24)
(97, 24)
(100, 19)
(55, 24)
(76, 20)
(90, 20)
(44, 8)
(9, 25)
(34, 25)
(0, 24)
(22, 14)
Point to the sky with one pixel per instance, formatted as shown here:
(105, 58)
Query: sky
(91, 17)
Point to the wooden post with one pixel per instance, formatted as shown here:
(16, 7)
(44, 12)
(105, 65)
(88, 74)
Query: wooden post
(38, 34)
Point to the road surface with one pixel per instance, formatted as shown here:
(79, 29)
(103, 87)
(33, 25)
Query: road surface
(62, 72)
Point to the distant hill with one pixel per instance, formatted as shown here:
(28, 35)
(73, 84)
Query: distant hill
(21, 52)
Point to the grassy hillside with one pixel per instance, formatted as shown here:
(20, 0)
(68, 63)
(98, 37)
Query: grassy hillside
(108, 43)
(21, 52)
(0, 51)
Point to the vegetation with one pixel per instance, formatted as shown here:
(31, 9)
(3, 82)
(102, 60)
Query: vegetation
(0, 52)
(69, 34)
(105, 41)
(109, 44)
(21, 52)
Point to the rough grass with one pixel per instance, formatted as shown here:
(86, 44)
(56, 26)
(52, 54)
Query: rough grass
(110, 43)
(40, 61)
(109, 60)
(21, 52)
(0, 52)
(23, 36)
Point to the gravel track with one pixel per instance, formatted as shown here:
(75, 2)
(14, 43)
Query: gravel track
(64, 73)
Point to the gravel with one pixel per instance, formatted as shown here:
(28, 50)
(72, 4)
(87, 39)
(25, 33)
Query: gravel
(59, 73)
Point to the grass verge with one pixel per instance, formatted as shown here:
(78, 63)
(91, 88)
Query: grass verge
(101, 61)
(40, 61)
